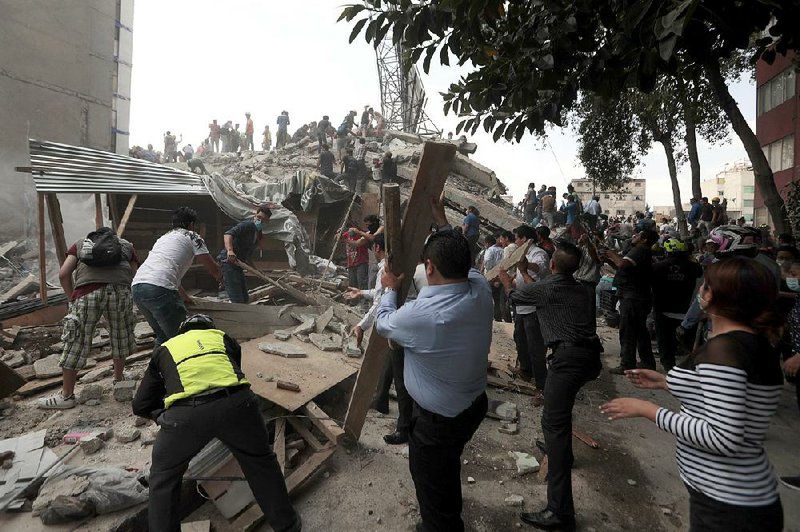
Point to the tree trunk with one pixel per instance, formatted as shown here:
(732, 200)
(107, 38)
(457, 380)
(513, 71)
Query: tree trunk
(669, 151)
(691, 147)
(765, 181)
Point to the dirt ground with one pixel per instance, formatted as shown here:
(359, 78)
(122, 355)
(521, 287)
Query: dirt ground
(630, 483)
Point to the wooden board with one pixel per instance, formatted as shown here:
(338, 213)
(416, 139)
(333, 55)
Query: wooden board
(20, 288)
(316, 373)
(10, 380)
(323, 422)
(280, 442)
(47, 315)
(245, 322)
(508, 263)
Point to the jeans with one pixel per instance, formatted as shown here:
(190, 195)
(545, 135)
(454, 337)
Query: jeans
(236, 421)
(359, 276)
(570, 369)
(248, 143)
(633, 333)
(162, 308)
(235, 283)
(394, 372)
(531, 351)
(473, 247)
(215, 145)
(549, 219)
(434, 459)
(707, 514)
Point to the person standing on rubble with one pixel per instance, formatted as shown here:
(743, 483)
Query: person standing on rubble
(266, 143)
(94, 290)
(357, 258)
(366, 120)
(564, 312)
(214, 135)
(249, 129)
(446, 333)
(325, 162)
(388, 168)
(472, 230)
(283, 133)
(323, 127)
(360, 155)
(157, 289)
(349, 169)
(241, 241)
(195, 390)
(343, 132)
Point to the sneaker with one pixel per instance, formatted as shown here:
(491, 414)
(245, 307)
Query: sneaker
(793, 483)
(619, 370)
(56, 402)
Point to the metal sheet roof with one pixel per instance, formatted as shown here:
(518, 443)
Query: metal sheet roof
(72, 169)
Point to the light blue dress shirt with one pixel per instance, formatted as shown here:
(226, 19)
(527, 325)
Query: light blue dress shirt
(446, 333)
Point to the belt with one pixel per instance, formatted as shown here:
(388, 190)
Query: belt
(208, 397)
(433, 416)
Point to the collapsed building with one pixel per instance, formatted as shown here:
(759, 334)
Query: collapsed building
(297, 352)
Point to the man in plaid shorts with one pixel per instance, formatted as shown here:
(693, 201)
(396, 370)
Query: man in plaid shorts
(93, 292)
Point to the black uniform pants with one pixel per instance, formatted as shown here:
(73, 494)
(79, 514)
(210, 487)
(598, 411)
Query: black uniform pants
(435, 446)
(633, 333)
(531, 351)
(667, 342)
(394, 372)
(570, 369)
(709, 515)
(236, 421)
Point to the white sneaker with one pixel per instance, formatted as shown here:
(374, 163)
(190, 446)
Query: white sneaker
(56, 402)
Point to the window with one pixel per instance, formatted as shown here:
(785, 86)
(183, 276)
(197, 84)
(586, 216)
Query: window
(637, 184)
(605, 196)
(720, 192)
(620, 212)
(749, 189)
(747, 203)
(780, 153)
(775, 91)
(607, 211)
(637, 198)
(720, 180)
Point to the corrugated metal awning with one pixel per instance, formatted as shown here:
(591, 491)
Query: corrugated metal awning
(72, 169)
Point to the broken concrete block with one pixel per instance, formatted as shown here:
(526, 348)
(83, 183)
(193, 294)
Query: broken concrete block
(57, 348)
(149, 436)
(470, 480)
(502, 410)
(305, 328)
(143, 330)
(14, 359)
(88, 392)
(508, 428)
(303, 338)
(351, 348)
(323, 320)
(100, 341)
(325, 342)
(126, 434)
(91, 444)
(124, 390)
(47, 367)
(8, 463)
(284, 350)
(92, 402)
(97, 374)
(282, 335)
(525, 463)
(514, 500)
(140, 421)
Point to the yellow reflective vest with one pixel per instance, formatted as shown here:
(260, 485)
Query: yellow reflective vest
(202, 364)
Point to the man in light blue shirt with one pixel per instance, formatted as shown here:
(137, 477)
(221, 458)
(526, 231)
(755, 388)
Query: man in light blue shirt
(446, 333)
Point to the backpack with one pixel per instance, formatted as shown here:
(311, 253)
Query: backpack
(101, 248)
(343, 129)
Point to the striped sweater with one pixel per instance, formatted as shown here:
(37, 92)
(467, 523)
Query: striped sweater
(728, 390)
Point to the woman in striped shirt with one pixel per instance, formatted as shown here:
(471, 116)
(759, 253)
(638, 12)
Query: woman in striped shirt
(729, 389)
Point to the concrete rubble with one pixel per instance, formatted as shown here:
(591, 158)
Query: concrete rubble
(283, 349)
(124, 390)
(525, 463)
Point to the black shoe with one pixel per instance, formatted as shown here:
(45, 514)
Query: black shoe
(419, 527)
(547, 520)
(396, 438)
(619, 370)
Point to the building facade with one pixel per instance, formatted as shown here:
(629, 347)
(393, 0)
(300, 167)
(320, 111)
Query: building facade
(65, 77)
(625, 202)
(777, 125)
(736, 183)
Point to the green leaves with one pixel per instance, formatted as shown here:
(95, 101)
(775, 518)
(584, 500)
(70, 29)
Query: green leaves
(357, 29)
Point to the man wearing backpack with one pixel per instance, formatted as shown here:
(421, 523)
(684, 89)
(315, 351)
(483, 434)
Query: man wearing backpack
(96, 277)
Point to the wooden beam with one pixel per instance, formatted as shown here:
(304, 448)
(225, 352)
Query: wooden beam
(42, 260)
(323, 422)
(508, 263)
(18, 288)
(56, 226)
(10, 380)
(303, 431)
(434, 167)
(113, 212)
(98, 211)
(127, 214)
(47, 315)
(392, 217)
(280, 442)
(292, 291)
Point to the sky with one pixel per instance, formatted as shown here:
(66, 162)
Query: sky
(202, 60)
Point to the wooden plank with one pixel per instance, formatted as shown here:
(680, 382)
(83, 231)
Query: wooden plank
(251, 517)
(294, 292)
(48, 315)
(303, 431)
(10, 380)
(98, 211)
(323, 422)
(18, 289)
(434, 167)
(196, 526)
(317, 372)
(511, 385)
(113, 211)
(42, 260)
(127, 214)
(280, 442)
(57, 226)
(245, 322)
(508, 263)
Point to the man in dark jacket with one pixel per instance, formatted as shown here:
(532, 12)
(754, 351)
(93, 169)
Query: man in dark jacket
(241, 241)
(195, 390)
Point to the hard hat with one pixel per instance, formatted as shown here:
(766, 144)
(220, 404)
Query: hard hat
(715, 198)
(674, 245)
(733, 240)
(196, 321)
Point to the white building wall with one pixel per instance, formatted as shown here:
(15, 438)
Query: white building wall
(615, 203)
(736, 183)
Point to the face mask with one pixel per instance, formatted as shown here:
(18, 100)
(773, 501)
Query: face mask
(259, 224)
(793, 283)
(702, 302)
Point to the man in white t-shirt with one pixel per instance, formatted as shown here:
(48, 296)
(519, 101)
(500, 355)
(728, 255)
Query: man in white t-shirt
(157, 287)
